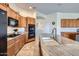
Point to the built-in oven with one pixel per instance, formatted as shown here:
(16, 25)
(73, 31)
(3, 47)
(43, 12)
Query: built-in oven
(31, 31)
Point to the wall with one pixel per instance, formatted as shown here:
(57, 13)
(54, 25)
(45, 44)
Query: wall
(44, 25)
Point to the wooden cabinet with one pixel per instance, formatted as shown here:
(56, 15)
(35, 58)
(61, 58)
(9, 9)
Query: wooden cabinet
(22, 40)
(11, 47)
(11, 13)
(69, 23)
(18, 18)
(11, 50)
(77, 23)
(72, 23)
(3, 7)
(62, 23)
(15, 44)
(23, 22)
(30, 20)
(71, 35)
(19, 43)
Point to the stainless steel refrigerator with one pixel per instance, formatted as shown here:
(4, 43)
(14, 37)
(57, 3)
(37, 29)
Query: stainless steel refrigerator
(3, 33)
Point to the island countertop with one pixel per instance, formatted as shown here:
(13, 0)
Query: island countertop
(65, 47)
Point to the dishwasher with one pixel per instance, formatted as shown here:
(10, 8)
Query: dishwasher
(77, 37)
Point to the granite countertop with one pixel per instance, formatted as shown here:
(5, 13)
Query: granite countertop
(65, 47)
(10, 38)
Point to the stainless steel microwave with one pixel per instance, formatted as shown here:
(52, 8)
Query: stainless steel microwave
(12, 22)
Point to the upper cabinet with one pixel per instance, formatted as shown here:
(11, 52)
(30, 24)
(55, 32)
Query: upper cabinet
(11, 13)
(30, 20)
(3, 6)
(69, 23)
(18, 16)
(23, 21)
(77, 23)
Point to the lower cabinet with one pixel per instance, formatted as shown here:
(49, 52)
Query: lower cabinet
(15, 45)
(11, 50)
(71, 35)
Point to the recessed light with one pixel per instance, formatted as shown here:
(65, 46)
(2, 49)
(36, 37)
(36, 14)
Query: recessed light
(30, 7)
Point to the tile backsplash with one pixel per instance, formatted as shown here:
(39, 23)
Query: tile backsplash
(10, 30)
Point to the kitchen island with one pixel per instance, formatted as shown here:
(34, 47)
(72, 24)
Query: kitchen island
(63, 47)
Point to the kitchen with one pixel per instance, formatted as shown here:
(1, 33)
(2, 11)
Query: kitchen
(20, 29)
(30, 34)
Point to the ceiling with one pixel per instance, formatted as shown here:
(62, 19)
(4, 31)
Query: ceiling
(48, 8)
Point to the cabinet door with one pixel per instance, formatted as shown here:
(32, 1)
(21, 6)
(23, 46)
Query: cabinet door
(21, 42)
(33, 21)
(62, 23)
(25, 39)
(3, 7)
(30, 20)
(18, 18)
(77, 23)
(17, 46)
(23, 22)
(11, 50)
(70, 22)
(74, 23)
(14, 15)
(11, 13)
(11, 47)
(8, 12)
(67, 22)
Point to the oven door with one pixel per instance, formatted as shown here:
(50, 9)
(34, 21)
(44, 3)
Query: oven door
(31, 31)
